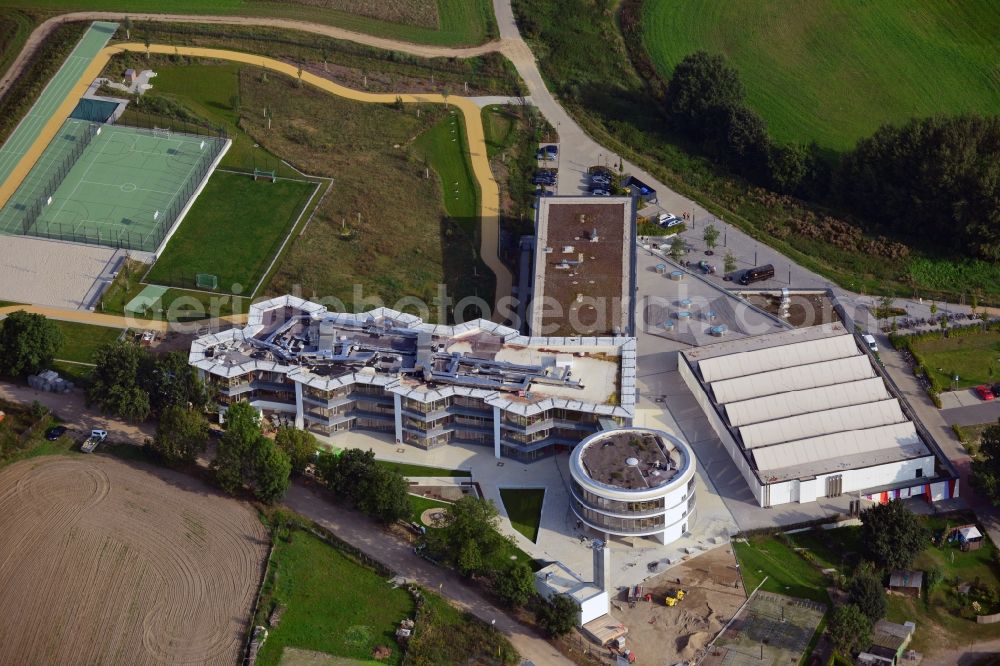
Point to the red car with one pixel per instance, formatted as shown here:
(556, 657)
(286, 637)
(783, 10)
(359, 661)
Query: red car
(984, 392)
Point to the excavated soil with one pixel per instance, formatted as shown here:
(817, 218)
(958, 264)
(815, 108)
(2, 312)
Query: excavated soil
(108, 563)
(665, 635)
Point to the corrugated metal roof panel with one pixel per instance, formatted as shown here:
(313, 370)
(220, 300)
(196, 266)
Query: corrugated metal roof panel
(757, 361)
(813, 424)
(790, 403)
(800, 377)
(841, 444)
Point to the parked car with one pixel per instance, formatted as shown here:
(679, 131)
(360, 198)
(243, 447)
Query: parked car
(543, 180)
(55, 432)
(984, 392)
(551, 150)
(600, 178)
(597, 192)
(666, 220)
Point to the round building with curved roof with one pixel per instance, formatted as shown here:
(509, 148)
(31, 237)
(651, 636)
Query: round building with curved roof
(633, 482)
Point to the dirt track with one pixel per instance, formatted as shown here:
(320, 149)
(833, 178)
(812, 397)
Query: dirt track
(106, 563)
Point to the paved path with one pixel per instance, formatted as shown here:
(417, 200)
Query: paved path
(117, 321)
(359, 531)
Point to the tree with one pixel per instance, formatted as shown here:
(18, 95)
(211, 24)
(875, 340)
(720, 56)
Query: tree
(271, 471)
(866, 592)
(171, 380)
(737, 137)
(146, 42)
(384, 495)
(236, 460)
(470, 559)
(181, 434)
(127, 23)
(729, 263)
(558, 615)
(677, 248)
(892, 535)
(114, 384)
(986, 467)
(28, 342)
(514, 584)
(711, 236)
(850, 630)
(299, 445)
(469, 520)
(376, 490)
(701, 83)
(933, 179)
(787, 167)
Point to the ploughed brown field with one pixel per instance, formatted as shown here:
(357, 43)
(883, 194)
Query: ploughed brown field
(103, 562)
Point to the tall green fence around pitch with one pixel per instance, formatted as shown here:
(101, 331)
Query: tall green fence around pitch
(123, 239)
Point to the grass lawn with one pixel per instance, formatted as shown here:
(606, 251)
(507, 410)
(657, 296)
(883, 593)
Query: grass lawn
(787, 572)
(832, 71)
(461, 22)
(421, 504)
(409, 469)
(333, 604)
(974, 358)
(445, 148)
(80, 341)
(233, 230)
(524, 508)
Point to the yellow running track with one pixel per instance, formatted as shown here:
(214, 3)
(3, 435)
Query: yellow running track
(489, 199)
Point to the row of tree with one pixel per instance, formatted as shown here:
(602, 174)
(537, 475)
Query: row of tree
(891, 537)
(378, 491)
(133, 384)
(932, 180)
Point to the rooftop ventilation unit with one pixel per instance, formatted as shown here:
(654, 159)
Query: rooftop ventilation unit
(567, 249)
(548, 250)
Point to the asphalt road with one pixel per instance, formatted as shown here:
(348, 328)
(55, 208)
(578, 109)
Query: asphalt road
(984, 412)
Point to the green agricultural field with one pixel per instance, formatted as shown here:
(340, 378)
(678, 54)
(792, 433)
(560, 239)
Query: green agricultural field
(459, 22)
(80, 341)
(233, 230)
(333, 604)
(832, 71)
(524, 508)
(974, 358)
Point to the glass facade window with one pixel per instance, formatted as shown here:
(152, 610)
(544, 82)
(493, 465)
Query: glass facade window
(617, 506)
(619, 523)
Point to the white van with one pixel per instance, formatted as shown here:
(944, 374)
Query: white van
(870, 341)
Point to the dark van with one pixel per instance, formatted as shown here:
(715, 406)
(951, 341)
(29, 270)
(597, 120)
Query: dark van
(758, 273)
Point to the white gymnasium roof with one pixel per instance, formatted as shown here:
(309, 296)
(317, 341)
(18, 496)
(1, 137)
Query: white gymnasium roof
(806, 402)
(790, 403)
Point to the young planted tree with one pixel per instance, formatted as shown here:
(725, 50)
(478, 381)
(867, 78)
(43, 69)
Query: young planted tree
(711, 236)
(677, 248)
(729, 263)
(127, 23)
(28, 342)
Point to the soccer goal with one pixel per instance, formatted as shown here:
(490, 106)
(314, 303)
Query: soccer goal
(264, 173)
(207, 281)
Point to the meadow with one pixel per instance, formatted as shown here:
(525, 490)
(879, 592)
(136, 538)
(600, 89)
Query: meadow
(459, 22)
(975, 359)
(833, 71)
